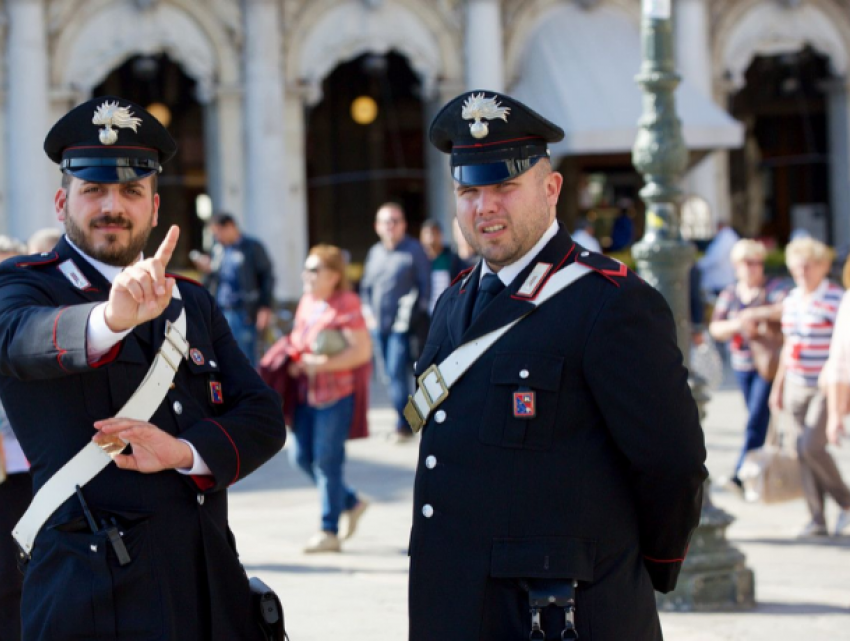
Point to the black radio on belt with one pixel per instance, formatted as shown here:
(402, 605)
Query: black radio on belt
(110, 529)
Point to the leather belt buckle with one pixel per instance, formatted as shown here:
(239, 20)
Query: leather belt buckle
(433, 387)
(412, 415)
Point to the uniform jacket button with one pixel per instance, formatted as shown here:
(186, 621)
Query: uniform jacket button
(178, 407)
(440, 416)
(431, 462)
(212, 364)
(427, 511)
(523, 373)
(200, 499)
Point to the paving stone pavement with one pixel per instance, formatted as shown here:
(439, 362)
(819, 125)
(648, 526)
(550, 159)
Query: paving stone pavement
(802, 587)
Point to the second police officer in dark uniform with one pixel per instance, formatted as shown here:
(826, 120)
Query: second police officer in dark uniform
(567, 461)
(143, 550)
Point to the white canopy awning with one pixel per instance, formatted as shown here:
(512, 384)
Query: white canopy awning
(579, 69)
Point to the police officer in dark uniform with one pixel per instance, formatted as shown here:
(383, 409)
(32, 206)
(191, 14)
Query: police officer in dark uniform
(143, 550)
(560, 475)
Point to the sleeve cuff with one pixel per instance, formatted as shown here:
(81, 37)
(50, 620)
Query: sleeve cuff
(99, 338)
(199, 466)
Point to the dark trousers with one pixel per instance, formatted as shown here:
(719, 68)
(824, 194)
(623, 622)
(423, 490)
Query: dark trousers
(756, 392)
(15, 496)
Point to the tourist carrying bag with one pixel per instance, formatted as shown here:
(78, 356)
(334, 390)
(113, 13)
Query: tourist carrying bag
(771, 474)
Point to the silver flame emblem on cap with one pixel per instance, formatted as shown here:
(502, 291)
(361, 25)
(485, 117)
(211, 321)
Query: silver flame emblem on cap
(110, 115)
(477, 107)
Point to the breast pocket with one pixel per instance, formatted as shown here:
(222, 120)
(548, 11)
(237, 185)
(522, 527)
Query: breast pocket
(522, 401)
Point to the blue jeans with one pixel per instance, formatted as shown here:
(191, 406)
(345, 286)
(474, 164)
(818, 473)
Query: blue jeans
(244, 331)
(319, 450)
(756, 391)
(393, 351)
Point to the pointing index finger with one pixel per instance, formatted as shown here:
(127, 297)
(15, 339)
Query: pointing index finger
(169, 244)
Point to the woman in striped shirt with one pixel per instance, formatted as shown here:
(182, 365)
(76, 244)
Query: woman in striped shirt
(808, 320)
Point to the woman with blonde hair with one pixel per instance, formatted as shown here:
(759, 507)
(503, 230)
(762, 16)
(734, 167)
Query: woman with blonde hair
(327, 353)
(808, 321)
(745, 311)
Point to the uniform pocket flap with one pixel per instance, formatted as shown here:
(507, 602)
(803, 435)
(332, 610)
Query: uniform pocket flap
(201, 359)
(543, 557)
(538, 371)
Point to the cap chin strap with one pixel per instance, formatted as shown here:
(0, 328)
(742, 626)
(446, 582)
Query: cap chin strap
(93, 458)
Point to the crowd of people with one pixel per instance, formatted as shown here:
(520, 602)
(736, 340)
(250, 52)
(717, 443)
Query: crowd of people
(550, 479)
(788, 348)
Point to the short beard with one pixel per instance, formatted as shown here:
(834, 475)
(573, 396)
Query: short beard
(112, 253)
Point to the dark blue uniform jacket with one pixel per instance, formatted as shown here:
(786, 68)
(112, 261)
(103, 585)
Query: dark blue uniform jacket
(603, 484)
(185, 580)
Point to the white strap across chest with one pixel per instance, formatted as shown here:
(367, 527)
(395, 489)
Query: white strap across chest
(434, 383)
(90, 460)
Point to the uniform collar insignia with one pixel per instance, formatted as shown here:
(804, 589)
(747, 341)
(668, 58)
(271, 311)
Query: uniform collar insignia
(535, 279)
(73, 274)
(477, 107)
(111, 115)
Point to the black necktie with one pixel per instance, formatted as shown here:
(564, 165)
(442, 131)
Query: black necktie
(488, 288)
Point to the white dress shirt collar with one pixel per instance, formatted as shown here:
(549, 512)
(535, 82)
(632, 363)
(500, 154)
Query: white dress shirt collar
(509, 272)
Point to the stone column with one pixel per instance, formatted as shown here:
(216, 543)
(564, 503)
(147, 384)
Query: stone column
(484, 43)
(31, 178)
(224, 151)
(693, 60)
(441, 203)
(838, 114)
(269, 214)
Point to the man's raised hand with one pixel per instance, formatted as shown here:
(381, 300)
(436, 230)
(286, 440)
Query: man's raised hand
(142, 291)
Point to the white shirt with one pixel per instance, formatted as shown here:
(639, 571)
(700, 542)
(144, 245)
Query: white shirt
(100, 339)
(509, 272)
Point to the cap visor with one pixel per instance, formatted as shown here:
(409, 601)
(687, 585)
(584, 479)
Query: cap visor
(107, 174)
(492, 173)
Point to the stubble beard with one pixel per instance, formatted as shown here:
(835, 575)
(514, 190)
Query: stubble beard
(109, 251)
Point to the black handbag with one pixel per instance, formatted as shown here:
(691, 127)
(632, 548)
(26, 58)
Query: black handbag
(268, 611)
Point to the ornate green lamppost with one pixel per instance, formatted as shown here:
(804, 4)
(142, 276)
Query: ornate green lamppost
(714, 575)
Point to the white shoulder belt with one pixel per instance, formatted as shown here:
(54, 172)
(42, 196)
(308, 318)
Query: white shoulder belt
(90, 460)
(434, 383)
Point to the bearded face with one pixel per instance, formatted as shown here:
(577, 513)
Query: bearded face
(109, 222)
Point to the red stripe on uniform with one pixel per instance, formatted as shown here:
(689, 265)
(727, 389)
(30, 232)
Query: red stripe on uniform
(236, 476)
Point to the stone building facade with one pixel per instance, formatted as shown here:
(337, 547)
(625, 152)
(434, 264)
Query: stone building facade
(259, 93)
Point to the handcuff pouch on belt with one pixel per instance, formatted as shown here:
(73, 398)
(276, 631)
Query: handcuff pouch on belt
(545, 593)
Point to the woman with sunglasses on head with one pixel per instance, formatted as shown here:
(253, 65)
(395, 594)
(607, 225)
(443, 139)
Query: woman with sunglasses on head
(330, 353)
(745, 311)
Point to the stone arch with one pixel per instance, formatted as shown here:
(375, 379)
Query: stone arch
(331, 32)
(100, 35)
(755, 28)
(531, 15)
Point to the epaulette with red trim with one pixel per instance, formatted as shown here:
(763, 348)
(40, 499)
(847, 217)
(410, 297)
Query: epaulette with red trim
(461, 275)
(36, 260)
(185, 279)
(606, 266)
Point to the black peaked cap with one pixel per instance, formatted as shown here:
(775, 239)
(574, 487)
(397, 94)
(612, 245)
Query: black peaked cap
(109, 140)
(491, 137)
